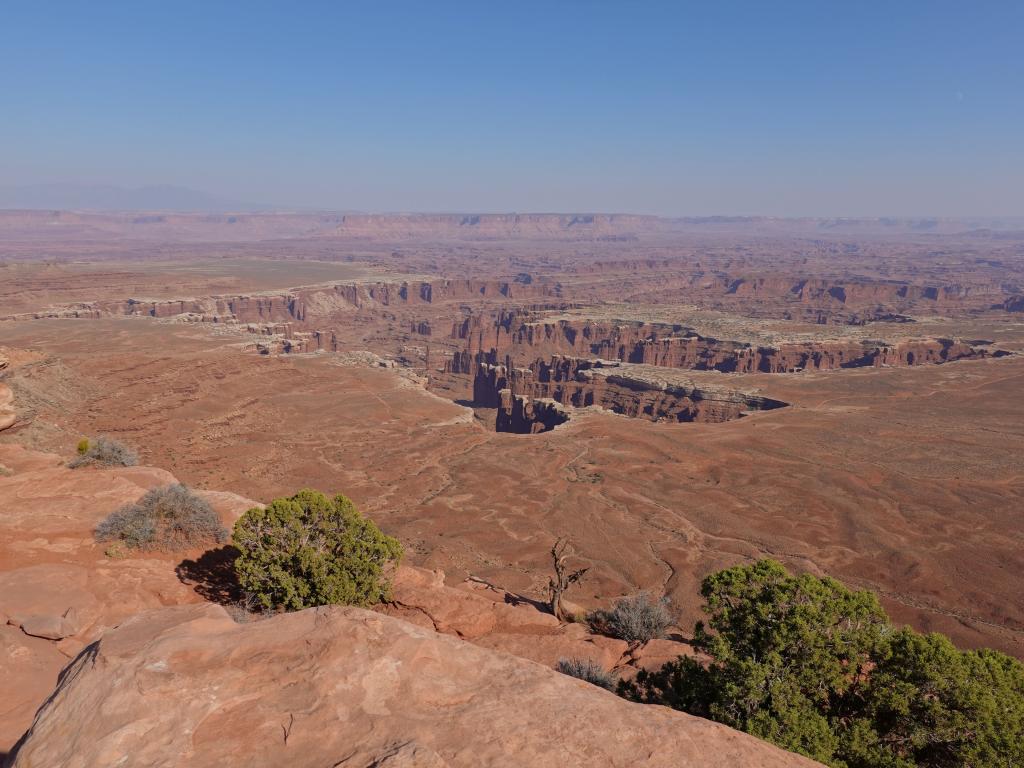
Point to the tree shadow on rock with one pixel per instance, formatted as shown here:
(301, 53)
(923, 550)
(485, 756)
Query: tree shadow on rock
(212, 575)
(516, 600)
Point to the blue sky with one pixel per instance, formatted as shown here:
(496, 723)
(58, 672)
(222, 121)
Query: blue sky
(780, 108)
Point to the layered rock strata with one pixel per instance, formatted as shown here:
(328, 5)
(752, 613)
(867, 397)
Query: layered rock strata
(675, 346)
(299, 305)
(522, 395)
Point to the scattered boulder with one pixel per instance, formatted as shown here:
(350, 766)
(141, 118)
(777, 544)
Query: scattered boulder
(51, 626)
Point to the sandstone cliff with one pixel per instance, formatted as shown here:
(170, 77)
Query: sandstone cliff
(524, 339)
(526, 398)
(1014, 304)
(301, 305)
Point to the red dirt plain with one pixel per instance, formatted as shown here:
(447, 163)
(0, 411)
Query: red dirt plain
(905, 478)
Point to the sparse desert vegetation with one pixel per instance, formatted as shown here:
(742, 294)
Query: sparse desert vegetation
(169, 518)
(104, 452)
(637, 619)
(587, 670)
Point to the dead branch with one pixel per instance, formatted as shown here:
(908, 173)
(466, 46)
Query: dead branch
(563, 578)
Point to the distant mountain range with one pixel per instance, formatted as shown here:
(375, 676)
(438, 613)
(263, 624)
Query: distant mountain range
(94, 197)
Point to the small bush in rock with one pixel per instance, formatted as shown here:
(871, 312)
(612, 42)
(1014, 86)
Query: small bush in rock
(167, 518)
(104, 452)
(311, 550)
(637, 619)
(587, 670)
(246, 609)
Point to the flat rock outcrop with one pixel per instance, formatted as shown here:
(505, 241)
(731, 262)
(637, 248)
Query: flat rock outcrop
(347, 687)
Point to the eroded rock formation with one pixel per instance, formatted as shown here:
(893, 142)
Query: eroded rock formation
(527, 415)
(525, 397)
(1014, 304)
(299, 305)
(522, 339)
(809, 297)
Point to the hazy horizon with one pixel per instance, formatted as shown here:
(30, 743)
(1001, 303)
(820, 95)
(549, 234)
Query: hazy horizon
(143, 201)
(790, 110)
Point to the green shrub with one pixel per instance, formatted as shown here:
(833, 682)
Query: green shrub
(818, 669)
(83, 446)
(587, 670)
(167, 518)
(930, 704)
(310, 550)
(105, 452)
(637, 619)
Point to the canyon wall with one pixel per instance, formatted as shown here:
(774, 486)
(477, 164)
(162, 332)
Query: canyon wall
(527, 416)
(1014, 304)
(302, 304)
(673, 346)
(789, 291)
(625, 389)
